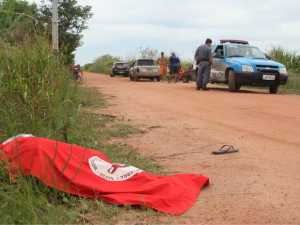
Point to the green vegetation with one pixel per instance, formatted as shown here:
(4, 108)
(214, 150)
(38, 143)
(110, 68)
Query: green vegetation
(72, 22)
(293, 85)
(292, 61)
(102, 64)
(35, 91)
(17, 20)
(38, 96)
(20, 20)
(288, 58)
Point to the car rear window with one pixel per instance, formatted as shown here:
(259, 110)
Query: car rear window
(122, 64)
(146, 62)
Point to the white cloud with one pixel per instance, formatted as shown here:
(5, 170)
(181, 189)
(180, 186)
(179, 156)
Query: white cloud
(120, 27)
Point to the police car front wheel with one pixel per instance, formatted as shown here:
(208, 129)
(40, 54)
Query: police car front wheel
(274, 89)
(232, 83)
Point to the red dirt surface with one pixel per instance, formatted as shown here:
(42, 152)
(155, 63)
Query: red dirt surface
(258, 185)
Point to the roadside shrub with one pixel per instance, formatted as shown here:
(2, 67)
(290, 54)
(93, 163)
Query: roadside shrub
(289, 58)
(102, 64)
(292, 61)
(25, 201)
(37, 96)
(293, 85)
(36, 92)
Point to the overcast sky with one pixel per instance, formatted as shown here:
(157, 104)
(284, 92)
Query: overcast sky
(120, 27)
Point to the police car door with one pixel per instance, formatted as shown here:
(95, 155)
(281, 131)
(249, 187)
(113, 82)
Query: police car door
(218, 67)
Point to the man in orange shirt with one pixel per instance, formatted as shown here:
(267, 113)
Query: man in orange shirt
(163, 63)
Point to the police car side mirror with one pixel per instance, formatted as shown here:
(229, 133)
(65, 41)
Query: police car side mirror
(268, 57)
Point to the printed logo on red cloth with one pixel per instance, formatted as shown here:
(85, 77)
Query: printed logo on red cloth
(112, 172)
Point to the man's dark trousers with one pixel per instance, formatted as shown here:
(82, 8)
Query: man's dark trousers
(203, 75)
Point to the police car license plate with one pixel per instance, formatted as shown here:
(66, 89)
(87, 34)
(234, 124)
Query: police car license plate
(269, 77)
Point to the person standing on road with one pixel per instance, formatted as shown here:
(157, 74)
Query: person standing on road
(203, 58)
(174, 63)
(163, 65)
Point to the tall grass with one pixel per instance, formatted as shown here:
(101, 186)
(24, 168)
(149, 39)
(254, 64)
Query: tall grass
(26, 201)
(292, 61)
(38, 96)
(293, 85)
(289, 58)
(35, 91)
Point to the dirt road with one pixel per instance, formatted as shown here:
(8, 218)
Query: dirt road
(258, 185)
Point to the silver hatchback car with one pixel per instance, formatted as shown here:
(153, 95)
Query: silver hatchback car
(144, 68)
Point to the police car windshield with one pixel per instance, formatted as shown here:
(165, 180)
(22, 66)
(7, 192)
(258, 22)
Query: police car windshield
(244, 51)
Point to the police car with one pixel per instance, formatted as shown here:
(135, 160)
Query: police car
(237, 63)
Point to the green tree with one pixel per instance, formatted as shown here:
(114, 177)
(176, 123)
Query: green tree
(18, 20)
(102, 64)
(72, 22)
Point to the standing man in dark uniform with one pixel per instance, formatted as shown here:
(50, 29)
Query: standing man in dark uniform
(174, 63)
(203, 58)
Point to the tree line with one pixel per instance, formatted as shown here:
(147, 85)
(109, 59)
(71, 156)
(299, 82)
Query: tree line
(21, 20)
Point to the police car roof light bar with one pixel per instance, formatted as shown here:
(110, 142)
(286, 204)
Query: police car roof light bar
(234, 41)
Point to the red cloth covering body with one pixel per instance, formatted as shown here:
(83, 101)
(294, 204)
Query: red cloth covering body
(89, 173)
